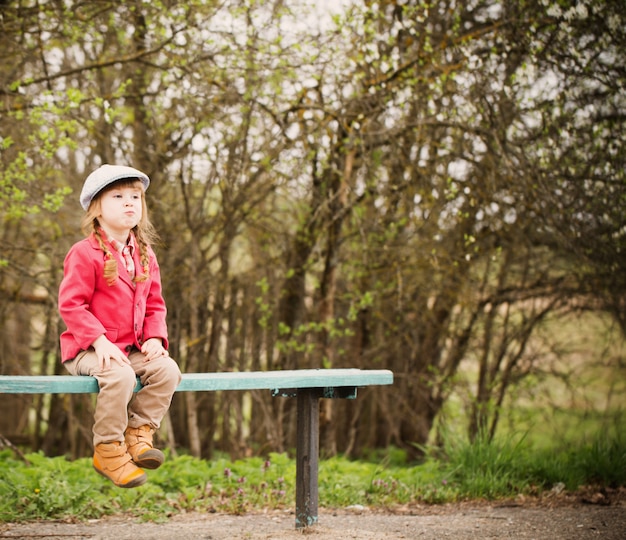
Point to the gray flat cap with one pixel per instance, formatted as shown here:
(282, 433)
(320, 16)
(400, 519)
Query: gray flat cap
(106, 175)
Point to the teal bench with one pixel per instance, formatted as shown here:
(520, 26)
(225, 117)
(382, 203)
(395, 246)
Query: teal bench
(308, 386)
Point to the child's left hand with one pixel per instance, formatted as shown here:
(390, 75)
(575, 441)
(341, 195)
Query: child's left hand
(153, 348)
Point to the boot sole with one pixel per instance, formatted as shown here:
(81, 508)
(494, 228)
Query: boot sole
(150, 459)
(139, 481)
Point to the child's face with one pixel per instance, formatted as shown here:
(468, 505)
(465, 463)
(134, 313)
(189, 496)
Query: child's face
(120, 209)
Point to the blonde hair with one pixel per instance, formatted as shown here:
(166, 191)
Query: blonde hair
(144, 232)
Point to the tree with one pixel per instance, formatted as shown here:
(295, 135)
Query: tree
(416, 186)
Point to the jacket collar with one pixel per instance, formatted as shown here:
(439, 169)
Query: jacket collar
(123, 276)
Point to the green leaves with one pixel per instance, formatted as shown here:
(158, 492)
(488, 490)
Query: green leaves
(39, 135)
(55, 488)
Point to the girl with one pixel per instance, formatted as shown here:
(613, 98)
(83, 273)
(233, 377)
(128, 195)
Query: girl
(110, 300)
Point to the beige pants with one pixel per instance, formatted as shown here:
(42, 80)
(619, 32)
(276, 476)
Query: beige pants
(116, 406)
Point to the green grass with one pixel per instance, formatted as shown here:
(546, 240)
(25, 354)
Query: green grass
(55, 488)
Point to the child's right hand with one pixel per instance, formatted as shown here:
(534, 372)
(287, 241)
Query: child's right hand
(107, 351)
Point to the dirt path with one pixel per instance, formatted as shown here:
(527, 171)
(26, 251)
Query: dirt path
(473, 521)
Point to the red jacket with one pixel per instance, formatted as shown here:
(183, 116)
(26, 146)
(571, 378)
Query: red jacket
(127, 313)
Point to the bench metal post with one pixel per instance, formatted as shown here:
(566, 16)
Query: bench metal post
(307, 457)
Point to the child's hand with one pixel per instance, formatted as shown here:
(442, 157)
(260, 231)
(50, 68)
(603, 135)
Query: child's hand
(153, 348)
(107, 351)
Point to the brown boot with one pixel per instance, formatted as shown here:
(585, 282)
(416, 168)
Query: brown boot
(139, 443)
(113, 461)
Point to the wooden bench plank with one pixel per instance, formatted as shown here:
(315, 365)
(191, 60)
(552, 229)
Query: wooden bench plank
(194, 382)
(270, 380)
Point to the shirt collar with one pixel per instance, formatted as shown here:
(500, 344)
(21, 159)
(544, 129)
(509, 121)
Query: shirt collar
(118, 246)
